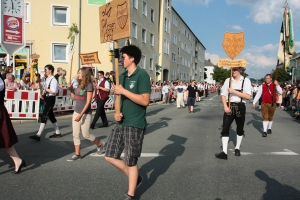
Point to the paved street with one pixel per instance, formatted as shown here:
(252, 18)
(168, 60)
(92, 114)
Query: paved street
(177, 162)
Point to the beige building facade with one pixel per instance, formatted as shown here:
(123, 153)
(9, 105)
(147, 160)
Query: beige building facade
(152, 29)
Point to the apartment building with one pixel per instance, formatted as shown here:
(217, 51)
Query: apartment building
(152, 29)
(187, 52)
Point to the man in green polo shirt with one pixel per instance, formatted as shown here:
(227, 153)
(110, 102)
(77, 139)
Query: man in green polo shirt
(128, 134)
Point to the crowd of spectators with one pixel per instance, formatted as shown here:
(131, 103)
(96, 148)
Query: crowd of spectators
(170, 89)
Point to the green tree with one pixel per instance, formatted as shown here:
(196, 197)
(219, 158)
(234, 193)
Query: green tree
(282, 75)
(220, 74)
(243, 72)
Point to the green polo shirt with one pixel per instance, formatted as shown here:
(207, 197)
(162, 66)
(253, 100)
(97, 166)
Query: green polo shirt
(134, 115)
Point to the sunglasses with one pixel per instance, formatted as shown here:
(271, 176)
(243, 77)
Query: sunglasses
(235, 69)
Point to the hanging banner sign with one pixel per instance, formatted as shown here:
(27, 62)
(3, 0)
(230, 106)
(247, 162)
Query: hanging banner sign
(89, 58)
(232, 63)
(114, 20)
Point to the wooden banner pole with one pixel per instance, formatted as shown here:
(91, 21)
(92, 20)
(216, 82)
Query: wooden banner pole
(230, 81)
(118, 97)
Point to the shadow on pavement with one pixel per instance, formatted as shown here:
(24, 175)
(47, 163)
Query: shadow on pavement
(45, 151)
(276, 190)
(161, 164)
(162, 123)
(154, 112)
(256, 122)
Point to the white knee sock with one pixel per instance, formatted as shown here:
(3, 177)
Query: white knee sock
(270, 124)
(238, 141)
(42, 126)
(56, 128)
(199, 99)
(225, 143)
(265, 125)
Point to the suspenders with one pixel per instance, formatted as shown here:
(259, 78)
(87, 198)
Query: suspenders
(241, 90)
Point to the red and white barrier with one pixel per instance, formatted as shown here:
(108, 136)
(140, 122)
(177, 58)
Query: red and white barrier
(25, 104)
(22, 104)
(63, 101)
(155, 95)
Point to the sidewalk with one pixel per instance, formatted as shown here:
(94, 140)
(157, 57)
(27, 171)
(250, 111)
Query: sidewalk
(66, 115)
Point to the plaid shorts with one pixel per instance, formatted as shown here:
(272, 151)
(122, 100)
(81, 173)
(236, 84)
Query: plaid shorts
(127, 138)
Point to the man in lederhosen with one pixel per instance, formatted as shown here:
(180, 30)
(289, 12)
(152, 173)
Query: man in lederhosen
(50, 90)
(240, 92)
(268, 102)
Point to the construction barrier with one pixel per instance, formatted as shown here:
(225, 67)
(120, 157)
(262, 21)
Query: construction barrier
(63, 101)
(22, 104)
(155, 95)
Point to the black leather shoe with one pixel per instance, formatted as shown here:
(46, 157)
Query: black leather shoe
(35, 137)
(269, 131)
(92, 127)
(237, 152)
(264, 134)
(221, 155)
(23, 164)
(102, 126)
(55, 135)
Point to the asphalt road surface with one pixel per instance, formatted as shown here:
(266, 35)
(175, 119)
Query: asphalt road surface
(178, 160)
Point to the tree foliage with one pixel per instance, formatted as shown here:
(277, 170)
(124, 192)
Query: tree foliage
(282, 75)
(220, 74)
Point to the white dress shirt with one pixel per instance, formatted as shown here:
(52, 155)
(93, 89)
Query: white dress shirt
(237, 86)
(53, 85)
(259, 93)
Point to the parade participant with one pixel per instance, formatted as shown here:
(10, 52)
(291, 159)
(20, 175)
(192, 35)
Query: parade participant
(191, 93)
(268, 102)
(206, 89)
(82, 112)
(180, 90)
(50, 90)
(7, 133)
(128, 134)
(240, 91)
(165, 93)
(101, 95)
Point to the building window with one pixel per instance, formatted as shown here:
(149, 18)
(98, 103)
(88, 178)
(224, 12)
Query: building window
(174, 39)
(151, 64)
(59, 52)
(27, 13)
(134, 30)
(143, 35)
(152, 15)
(135, 4)
(151, 39)
(60, 15)
(144, 8)
(173, 57)
(166, 46)
(143, 62)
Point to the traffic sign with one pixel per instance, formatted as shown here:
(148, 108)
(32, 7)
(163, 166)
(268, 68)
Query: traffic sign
(12, 27)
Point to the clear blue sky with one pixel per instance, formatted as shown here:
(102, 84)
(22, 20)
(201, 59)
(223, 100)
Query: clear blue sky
(260, 20)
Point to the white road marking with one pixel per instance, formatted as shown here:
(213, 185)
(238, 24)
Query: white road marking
(286, 152)
(145, 155)
(213, 97)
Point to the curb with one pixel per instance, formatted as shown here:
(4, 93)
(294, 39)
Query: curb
(61, 117)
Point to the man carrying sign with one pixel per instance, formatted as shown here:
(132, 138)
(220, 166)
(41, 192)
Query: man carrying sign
(128, 134)
(240, 90)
